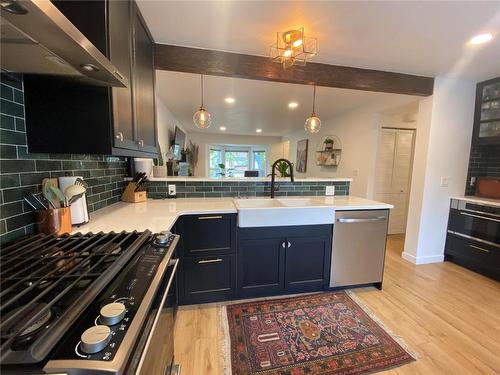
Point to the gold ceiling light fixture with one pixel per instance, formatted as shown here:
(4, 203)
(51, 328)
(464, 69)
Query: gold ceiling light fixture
(313, 123)
(201, 117)
(293, 48)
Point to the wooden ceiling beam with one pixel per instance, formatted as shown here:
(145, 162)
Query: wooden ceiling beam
(228, 64)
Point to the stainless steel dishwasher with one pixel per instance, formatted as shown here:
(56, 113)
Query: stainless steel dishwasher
(358, 247)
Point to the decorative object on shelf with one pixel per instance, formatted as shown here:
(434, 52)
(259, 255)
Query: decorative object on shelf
(193, 153)
(183, 169)
(313, 123)
(329, 153)
(293, 48)
(159, 168)
(302, 147)
(201, 117)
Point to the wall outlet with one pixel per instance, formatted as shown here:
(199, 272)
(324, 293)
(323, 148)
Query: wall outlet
(330, 190)
(172, 191)
(472, 181)
(445, 181)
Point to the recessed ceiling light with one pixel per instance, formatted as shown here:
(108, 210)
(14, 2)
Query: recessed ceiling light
(293, 105)
(258, 130)
(222, 128)
(229, 100)
(481, 38)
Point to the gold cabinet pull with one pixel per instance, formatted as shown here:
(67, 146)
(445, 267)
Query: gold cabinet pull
(218, 260)
(209, 217)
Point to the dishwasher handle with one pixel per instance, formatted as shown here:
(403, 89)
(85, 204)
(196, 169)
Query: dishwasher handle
(365, 220)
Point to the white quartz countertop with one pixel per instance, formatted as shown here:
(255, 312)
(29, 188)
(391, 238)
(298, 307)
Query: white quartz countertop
(250, 179)
(478, 200)
(160, 214)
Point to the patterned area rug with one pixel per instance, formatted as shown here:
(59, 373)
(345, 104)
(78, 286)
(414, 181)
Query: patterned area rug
(326, 333)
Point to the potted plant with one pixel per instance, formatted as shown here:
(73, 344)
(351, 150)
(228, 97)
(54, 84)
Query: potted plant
(328, 143)
(225, 172)
(283, 169)
(159, 168)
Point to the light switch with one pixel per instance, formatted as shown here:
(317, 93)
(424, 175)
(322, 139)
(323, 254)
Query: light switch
(445, 181)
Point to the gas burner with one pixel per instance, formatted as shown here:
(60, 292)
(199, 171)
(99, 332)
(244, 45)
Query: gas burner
(30, 333)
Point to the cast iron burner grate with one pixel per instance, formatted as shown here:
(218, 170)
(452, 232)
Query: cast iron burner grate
(47, 281)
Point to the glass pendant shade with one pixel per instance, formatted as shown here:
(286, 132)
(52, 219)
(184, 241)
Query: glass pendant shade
(202, 118)
(313, 124)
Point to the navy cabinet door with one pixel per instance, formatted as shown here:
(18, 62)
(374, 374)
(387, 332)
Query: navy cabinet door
(261, 266)
(208, 234)
(208, 279)
(307, 263)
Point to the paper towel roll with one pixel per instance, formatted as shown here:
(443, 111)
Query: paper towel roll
(79, 212)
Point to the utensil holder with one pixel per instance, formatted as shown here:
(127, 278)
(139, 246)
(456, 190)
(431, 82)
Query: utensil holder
(132, 196)
(53, 221)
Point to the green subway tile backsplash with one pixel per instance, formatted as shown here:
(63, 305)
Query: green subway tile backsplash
(22, 172)
(217, 189)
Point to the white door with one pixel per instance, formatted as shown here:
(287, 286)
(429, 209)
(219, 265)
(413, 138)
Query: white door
(393, 173)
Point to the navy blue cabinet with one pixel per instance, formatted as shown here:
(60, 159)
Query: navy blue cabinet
(261, 266)
(307, 263)
(207, 253)
(276, 260)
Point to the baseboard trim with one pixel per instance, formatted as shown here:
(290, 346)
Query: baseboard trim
(422, 260)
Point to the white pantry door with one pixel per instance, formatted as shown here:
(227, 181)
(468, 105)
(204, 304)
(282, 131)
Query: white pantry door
(393, 173)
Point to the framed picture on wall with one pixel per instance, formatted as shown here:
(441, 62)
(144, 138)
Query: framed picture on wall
(301, 164)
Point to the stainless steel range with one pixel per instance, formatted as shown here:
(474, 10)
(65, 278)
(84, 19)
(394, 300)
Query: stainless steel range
(88, 304)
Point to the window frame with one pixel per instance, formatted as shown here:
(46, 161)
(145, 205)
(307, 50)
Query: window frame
(249, 149)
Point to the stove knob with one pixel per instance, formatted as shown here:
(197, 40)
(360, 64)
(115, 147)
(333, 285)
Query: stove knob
(161, 239)
(95, 339)
(112, 313)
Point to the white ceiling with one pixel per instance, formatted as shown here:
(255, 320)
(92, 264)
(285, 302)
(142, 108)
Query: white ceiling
(417, 37)
(259, 104)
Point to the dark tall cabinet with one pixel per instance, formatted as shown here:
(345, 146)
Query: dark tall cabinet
(67, 117)
(487, 113)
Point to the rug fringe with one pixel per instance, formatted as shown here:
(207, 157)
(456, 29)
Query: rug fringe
(377, 320)
(225, 341)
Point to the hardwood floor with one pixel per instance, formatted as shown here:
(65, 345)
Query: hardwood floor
(449, 315)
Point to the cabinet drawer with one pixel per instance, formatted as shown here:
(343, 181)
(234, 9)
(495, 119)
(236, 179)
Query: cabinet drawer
(208, 234)
(478, 256)
(468, 248)
(208, 279)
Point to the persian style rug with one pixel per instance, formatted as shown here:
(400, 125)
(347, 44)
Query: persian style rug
(317, 334)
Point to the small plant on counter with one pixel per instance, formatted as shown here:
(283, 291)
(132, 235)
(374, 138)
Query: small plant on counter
(283, 169)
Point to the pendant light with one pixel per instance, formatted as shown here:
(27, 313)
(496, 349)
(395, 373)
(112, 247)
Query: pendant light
(313, 123)
(201, 117)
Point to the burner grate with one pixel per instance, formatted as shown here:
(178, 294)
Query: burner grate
(62, 274)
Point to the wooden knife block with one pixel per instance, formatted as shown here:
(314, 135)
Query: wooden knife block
(132, 196)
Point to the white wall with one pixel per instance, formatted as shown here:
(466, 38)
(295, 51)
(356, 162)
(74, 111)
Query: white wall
(358, 131)
(203, 140)
(166, 122)
(441, 150)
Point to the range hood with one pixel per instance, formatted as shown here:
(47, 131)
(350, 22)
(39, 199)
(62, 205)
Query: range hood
(36, 38)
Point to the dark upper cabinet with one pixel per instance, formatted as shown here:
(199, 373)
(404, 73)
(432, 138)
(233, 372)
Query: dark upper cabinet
(144, 81)
(487, 113)
(66, 117)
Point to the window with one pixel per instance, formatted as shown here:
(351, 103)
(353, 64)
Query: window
(215, 158)
(236, 160)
